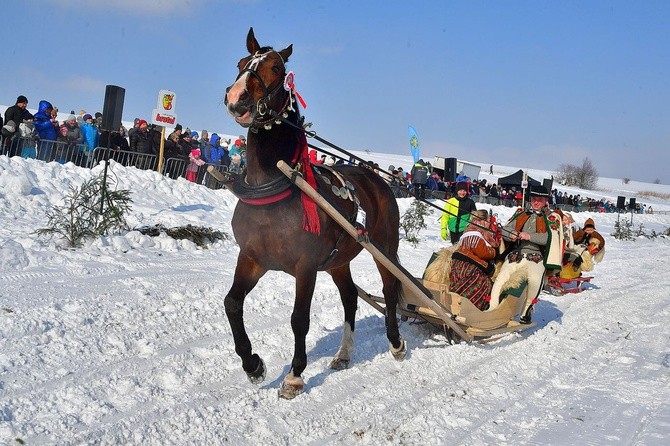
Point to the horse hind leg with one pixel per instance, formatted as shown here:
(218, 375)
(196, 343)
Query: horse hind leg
(391, 290)
(349, 296)
(247, 275)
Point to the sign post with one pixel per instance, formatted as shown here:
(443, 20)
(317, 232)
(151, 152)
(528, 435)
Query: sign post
(163, 114)
(524, 186)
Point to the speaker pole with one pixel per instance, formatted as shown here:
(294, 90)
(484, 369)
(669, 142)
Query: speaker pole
(104, 183)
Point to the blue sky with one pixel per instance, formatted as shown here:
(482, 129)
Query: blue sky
(525, 83)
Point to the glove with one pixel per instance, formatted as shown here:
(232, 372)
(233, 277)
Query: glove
(577, 262)
(566, 258)
(445, 234)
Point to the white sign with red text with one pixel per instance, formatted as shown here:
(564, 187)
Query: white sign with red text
(164, 113)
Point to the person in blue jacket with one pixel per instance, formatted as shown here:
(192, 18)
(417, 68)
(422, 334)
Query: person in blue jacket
(47, 129)
(90, 136)
(215, 154)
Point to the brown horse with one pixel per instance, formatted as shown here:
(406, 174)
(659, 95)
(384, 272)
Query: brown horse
(269, 220)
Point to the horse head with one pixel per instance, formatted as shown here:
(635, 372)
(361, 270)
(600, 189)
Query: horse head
(259, 86)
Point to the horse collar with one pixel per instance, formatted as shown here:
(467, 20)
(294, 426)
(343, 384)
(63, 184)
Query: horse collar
(272, 192)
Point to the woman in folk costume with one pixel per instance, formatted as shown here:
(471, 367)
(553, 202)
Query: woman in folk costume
(471, 263)
(537, 243)
(589, 247)
(591, 239)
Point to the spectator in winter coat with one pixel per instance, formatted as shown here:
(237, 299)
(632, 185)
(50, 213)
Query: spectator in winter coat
(174, 154)
(119, 140)
(456, 214)
(235, 149)
(45, 125)
(90, 140)
(89, 133)
(177, 130)
(74, 135)
(186, 143)
(47, 130)
(140, 139)
(14, 116)
(134, 128)
(215, 154)
(173, 148)
(204, 142)
(194, 165)
(141, 142)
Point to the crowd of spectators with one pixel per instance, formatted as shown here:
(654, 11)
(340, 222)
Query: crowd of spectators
(185, 152)
(76, 139)
(483, 191)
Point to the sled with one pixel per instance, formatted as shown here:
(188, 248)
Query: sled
(475, 323)
(426, 300)
(558, 286)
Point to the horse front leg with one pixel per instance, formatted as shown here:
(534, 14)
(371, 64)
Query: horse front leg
(293, 384)
(349, 296)
(247, 274)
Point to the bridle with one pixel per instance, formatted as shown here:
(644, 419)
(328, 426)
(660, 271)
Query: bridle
(263, 116)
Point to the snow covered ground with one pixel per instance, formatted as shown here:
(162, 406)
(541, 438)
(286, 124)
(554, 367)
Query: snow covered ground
(125, 340)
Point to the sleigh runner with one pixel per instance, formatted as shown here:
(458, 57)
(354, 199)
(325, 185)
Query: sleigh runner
(426, 300)
(558, 286)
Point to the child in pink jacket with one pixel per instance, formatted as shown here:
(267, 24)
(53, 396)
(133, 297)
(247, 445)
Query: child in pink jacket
(194, 165)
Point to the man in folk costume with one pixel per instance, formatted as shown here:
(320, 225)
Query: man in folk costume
(537, 243)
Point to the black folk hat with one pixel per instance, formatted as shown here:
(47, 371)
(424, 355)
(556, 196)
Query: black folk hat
(539, 191)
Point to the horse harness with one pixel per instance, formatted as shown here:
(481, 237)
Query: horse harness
(263, 104)
(280, 188)
(345, 191)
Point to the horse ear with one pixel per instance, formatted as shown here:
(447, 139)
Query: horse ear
(252, 43)
(286, 52)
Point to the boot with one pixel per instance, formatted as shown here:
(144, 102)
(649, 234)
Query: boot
(526, 318)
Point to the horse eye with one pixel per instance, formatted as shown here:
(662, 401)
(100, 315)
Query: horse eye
(275, 69)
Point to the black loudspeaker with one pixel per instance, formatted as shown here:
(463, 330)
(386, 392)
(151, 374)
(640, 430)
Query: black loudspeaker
(113, 108)
(621, 202)
(548, 183)
(450, 169)
(631, 204)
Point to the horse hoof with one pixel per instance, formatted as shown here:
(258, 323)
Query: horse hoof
(339, 364)
(400, 352)
(291, 387)
(258, 375)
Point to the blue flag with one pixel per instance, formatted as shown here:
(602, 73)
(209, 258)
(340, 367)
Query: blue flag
(414, 144)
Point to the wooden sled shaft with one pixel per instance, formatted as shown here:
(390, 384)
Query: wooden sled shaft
(394, 268)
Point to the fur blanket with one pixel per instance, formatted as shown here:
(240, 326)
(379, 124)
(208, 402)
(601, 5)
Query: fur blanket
(438, 270)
